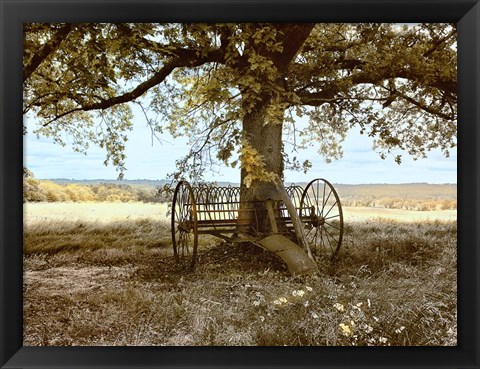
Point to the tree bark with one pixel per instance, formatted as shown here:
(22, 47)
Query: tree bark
(266, 139)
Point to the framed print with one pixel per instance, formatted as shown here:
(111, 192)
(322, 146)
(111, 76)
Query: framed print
(268, 261)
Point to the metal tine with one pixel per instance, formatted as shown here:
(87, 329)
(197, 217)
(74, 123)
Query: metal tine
(211, 203)
(228, 199)
(201, 202)
(230, 214)
(217, 199)
(214, 202)
(204, 200)
(223, 200)
(235, 199)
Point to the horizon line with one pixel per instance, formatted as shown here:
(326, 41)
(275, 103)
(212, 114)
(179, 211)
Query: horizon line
(237, 183)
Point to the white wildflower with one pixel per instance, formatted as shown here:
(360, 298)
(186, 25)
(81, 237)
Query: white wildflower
(399, 330)
(345, 329)
(339, 307)
(298, 293)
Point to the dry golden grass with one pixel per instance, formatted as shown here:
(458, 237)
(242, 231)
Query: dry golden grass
(116, 283)
(413, 196)
(360, 214)
(108, 212)
(93, 211)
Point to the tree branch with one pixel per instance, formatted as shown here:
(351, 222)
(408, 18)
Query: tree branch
(46, 50)
(441, 41)
(292, 37)
(187, 60)
(328, 92)
(425, 107)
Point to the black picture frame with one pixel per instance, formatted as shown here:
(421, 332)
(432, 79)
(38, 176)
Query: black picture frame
(13, 13)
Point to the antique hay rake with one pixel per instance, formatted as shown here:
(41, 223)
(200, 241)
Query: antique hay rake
(213, 210)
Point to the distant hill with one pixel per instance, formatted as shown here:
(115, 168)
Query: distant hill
(408, 196)
(404, 190)
(155, 183)
(140, 182)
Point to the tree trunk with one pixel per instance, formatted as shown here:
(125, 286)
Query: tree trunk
(266, 139)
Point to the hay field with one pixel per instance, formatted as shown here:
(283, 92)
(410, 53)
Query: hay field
(104, 212)
(360, 214)
(93, 211)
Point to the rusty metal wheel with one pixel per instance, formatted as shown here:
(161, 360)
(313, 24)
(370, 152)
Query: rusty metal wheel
(184, 225)
(321, 213)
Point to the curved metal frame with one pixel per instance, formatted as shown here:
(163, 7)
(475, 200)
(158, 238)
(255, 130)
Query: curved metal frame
(206, 209)
(323, 217)
(295, 193)
(184, 225)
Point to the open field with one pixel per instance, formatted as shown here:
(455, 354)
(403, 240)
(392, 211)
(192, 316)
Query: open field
(115, 282)
(107, 212)
(360, 214)
(93, 212)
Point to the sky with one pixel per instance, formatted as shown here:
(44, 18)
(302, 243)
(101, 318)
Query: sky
(154, 160)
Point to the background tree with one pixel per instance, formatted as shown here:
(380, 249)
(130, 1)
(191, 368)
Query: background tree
(31, 187)
(237, 89)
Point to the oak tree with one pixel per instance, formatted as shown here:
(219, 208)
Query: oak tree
(237, 90)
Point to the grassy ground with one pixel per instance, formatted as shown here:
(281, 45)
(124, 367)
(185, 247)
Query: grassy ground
(116, 283)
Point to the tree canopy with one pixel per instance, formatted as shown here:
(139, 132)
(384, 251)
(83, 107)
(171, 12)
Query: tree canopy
(215, 83)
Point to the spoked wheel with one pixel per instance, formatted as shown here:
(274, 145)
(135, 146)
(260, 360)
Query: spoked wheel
(184, 225)
(321, 213)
